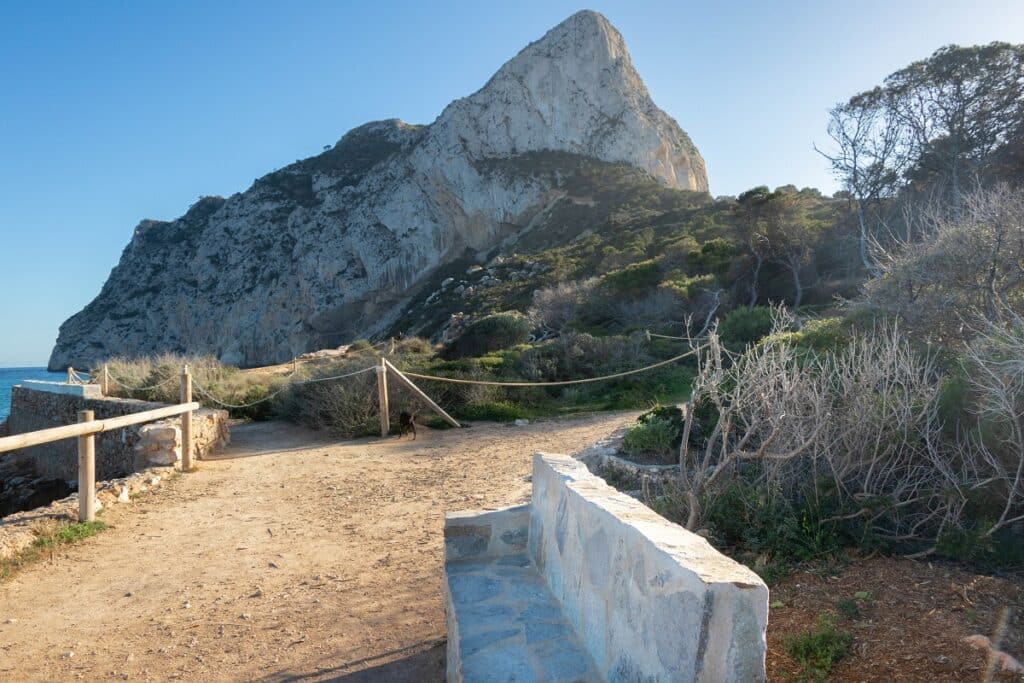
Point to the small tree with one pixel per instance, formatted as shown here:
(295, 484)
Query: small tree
(751, 207)
(865, 157)
(793, 236)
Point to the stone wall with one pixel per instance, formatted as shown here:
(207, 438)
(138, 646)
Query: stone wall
(118, 453)
(649, 600)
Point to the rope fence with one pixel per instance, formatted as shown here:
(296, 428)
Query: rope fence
(148, 388)
(559, 383)
(77, 377)
(200, 389)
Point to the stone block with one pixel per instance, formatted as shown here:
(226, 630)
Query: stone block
(164, 456)
(160, 432)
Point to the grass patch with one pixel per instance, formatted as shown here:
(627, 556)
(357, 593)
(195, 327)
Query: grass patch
(772, 572)
(493, 411)
(849, 608)
(49, 536)
(819, 649)
(72, 533)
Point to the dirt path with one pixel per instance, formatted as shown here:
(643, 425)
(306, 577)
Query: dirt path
(292, 558)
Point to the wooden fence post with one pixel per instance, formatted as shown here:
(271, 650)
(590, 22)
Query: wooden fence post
(105, 381)
(400, 376)
(187, 460)
(382, 396)
(71, 374)
(86, 471)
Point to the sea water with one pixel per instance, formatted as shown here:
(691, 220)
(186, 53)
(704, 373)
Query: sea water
(11, 376)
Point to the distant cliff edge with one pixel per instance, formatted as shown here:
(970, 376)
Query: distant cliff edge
(332, 247)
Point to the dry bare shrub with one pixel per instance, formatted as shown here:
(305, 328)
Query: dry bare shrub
(345, 407)
(555, 307)
(578, 354)
(761, 406)
(858, 428)
(884, 450)
(649, 310)
(157, 378)
(994, 361)
(967, 263)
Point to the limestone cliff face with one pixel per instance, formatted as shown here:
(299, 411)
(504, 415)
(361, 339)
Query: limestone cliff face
(330, 248)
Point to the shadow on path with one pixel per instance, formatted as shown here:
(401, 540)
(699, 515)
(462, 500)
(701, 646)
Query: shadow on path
(420, 663)
(252, 439)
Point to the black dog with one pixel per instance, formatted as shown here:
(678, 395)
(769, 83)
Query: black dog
(406, 423)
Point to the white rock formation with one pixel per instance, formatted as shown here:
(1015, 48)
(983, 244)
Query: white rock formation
(332, 247)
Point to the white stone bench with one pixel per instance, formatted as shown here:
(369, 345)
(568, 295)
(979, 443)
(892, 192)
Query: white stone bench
(588, 584)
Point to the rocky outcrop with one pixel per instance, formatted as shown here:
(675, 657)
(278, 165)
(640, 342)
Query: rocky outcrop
(332, 247)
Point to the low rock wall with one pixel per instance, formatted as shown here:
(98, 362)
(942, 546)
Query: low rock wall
(649, 600)
(118, 453)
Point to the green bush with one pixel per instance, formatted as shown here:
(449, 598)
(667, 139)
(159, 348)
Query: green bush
(744, 326)
(822, 335)
(633, 278)
(71, 533)
(717, 256)
(688, 287)
(650, 439)
(489, 334)
(495, 411)
(849, 608)
(766, 522)
(818, 650)
(1001, 550)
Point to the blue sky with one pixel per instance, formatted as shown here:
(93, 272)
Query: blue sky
(111, 112)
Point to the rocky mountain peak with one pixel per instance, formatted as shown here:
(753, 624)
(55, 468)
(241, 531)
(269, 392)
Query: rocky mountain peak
(333, 247)
(574, 90)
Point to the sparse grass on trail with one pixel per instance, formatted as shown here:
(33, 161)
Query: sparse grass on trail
(50, 535)
(818, 649)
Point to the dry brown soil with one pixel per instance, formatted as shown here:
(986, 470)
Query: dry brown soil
(291, 558)
(909, 624)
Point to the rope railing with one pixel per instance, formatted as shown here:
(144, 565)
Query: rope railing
(77, 377)
(558, 383)
(202, 390)
(124, 385)
(453, 380)
(401, 374)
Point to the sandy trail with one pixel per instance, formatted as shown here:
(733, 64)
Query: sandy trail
(289, 558)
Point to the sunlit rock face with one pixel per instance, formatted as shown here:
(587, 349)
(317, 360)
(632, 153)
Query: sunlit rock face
(331, 248)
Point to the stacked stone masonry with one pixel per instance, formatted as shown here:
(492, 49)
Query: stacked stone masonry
(588, 584)
(119, 452)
